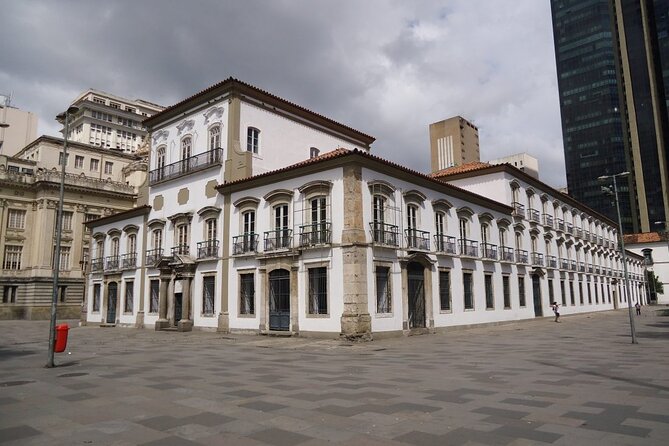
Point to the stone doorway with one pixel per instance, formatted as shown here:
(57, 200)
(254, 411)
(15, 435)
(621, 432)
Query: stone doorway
(279, 300)
(112, 301)
(416, 295)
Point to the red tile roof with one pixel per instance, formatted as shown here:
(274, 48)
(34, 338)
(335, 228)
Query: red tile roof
(467, 167)
(645, 237)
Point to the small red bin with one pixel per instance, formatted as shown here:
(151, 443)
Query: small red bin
(61, 338)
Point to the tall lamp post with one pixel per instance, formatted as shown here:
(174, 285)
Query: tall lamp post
(65, 119)
(614, 192)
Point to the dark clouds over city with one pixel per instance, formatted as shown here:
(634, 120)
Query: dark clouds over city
(387, 68)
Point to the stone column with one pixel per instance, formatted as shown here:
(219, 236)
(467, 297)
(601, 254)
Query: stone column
(224, 315)
(185, 324)
(405, 296)
(355, 320)
(105, 302)
(294, 305)
(262, 301)
(162, 322)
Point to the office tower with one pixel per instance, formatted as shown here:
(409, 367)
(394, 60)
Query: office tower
(17, 127)
(110, 121)
(453, 142)
(611, 56)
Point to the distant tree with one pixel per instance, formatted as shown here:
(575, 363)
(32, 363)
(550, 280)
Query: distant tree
(654, 284)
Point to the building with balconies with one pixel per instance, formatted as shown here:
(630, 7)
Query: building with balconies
(301, 230)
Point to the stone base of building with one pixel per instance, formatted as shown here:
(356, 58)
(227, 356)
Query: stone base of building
(223, 323)
(185, 325)
(162, 324)
(26, 312)
(356, 327)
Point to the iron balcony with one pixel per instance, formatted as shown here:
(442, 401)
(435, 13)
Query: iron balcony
(207, 249)
(551, 262)
(518, 209)
(507, 254)
(182, 250)
(153, 256)
(384, 234)
(416, 239)
(245, 244)
(112, 263)
(315, 234)
(97, 265)
(533, 215)
(488, 251)
(444, 244)
(521, 256)
(129, 260)
(537, 259)
(468, 248)
(188, 165)
(278, 239)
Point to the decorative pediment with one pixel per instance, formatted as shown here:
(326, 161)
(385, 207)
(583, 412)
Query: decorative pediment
(246, 202)
(99, 236)
(181, 217)
(156, 223)
(441, 204)
(185, 126)
(503, 223)
(316, 186)
(209, 211)
(380, 187)
(213, 114)
(486, 217)
(465, 212)
(114, 232)
(279, 195)
(131, 229)
(414, 195)
(160, 136)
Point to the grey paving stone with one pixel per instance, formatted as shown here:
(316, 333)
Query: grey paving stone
(17, 433)
(244, 393)
(526, 402)
(77, 396)
(263, 406)
(280, 437)
(171, 441)
(502, 413)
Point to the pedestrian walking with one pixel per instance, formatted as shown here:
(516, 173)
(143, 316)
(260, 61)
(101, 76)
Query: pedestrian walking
(638, 309)
(556, 310)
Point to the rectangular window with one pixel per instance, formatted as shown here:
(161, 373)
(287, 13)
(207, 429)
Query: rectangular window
(94, 165)
(551, 292)
(79, 162)
(16, 219)
(507, 291)
(521, 291)
(467, 284)
(60, 158)
(318, 290)
(9, 294)
(155, 296)
(64, 259)
(114, 105)
(383, 292)
(67, 221)
(589, 294)
(572, 296)
(596, 294)
(247, 292)
(489, 298)
(62, 293)
(208, 292)
(580, 292)
(109, 167)
(563, 293)
(97, 289)
(445, 290)
(129, 297)
(13, 257)
(252, 138)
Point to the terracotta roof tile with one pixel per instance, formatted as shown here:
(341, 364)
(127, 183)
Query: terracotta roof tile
(467, 167)
(645, 237)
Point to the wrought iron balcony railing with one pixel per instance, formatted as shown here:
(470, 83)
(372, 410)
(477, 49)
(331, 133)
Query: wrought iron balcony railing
(182, 250)
(278, 239)
(416, 239)
(578, 232)
(185, 166)
(569, 228)
(537, 259)
(586, 235)
(444, 243)
(112, 263)
(507, 254)
(488, 251)
(315, 234)
(564, 264)
(384, 234)
(533, 215)
(548, 220)
(469, 248)
(581, 267)
(97, 265)
(153, 256)
(129, 260)
(518, 209)
(244, 244)
(573, 265)
(551, 262)
(207, 249)
(559, 224)
(521, 256)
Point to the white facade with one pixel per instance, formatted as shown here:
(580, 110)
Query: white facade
(521, 161)
(654, 247)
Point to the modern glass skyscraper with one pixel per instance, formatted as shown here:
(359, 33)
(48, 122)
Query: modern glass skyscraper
(613, 74)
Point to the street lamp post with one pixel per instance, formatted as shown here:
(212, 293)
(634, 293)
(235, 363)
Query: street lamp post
(607, 190)
(65, 118)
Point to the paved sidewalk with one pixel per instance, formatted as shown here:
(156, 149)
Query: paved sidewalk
(580, 382)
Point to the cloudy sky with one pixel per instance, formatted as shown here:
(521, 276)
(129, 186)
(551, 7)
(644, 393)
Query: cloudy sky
(386, 67)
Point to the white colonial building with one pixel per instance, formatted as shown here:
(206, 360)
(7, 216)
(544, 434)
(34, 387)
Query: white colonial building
(264, 216)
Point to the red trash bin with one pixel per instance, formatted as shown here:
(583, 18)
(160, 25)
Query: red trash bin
(61, 338)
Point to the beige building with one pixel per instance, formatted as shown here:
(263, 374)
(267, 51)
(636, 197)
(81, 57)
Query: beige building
(98, 182)
(21, 129)
(110, 122)
(522, 161)
(453, 142)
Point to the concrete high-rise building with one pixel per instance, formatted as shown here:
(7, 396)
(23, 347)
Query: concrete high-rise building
(18, 128)
(110, 122)
(453, 142)
(613, 75)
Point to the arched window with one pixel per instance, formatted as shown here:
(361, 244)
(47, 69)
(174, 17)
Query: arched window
(252, 140)
(210, 229)
(132, 243)
(464, 228)
(214, 137)
(157, 239)
(160, 161)
(186, 148)
(114, 247)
